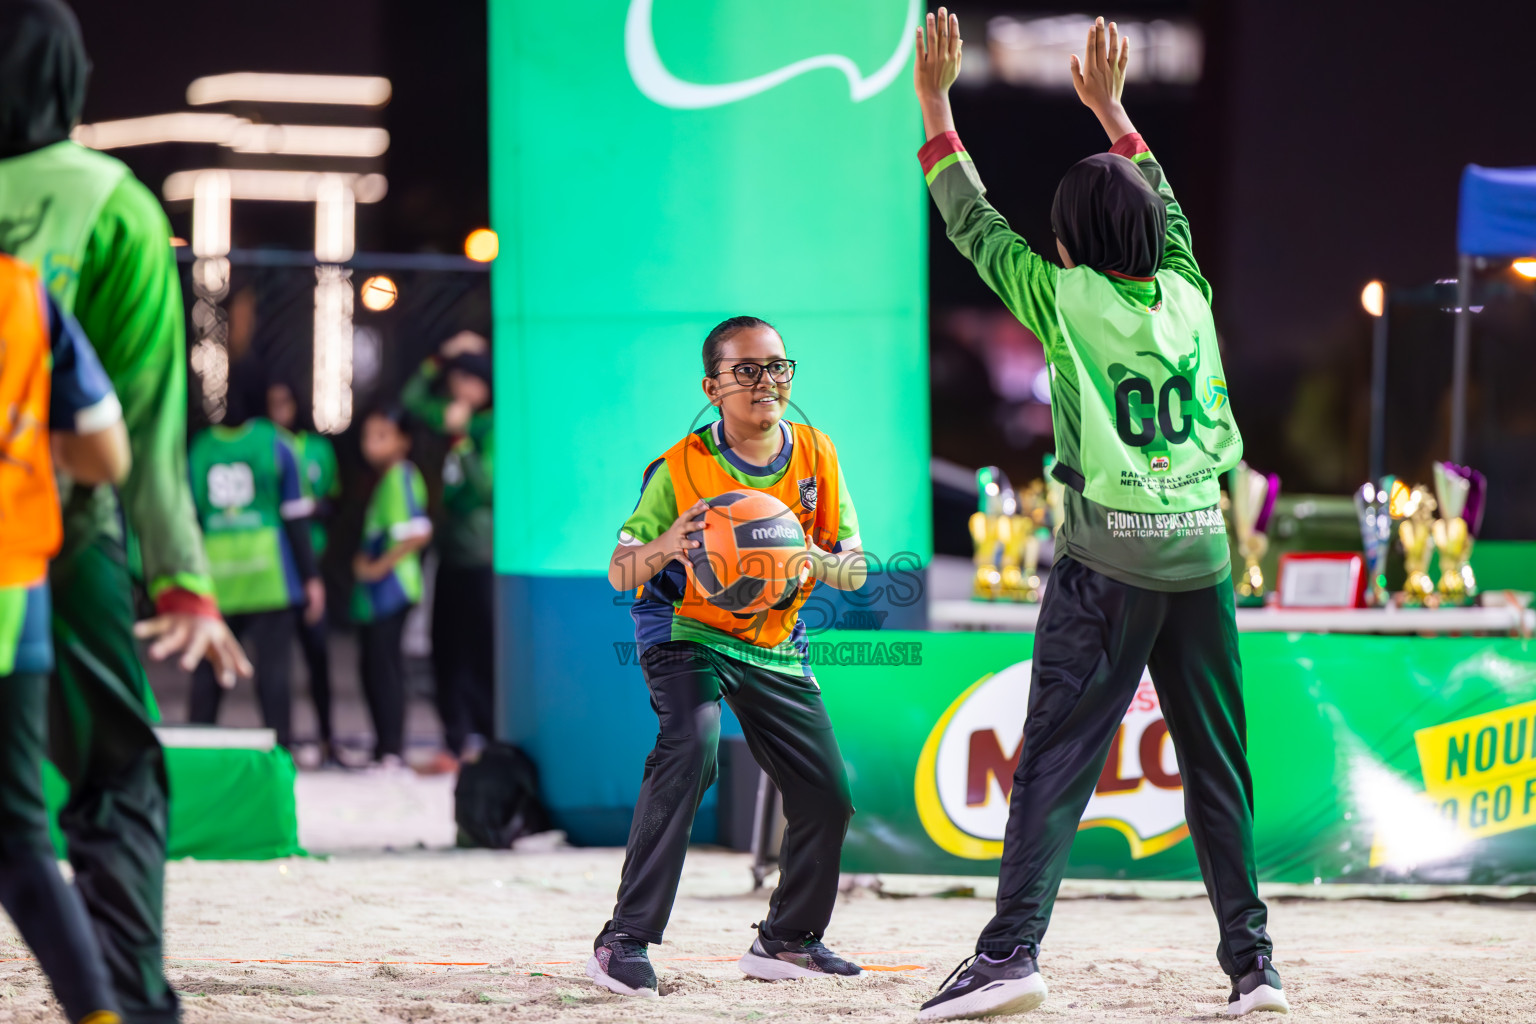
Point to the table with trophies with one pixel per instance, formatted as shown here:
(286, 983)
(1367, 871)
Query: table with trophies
(1316, 592)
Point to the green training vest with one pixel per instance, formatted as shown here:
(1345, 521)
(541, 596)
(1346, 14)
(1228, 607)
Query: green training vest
(1157, 428)
(49, 201)
(236, 483)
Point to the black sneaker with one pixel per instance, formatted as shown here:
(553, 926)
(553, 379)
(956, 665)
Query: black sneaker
(803, 957)
(620, 964)
(983, 986)
(1259, 989)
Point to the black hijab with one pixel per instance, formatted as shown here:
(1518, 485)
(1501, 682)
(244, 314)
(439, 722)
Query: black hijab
(43, 70)
(1109, 218)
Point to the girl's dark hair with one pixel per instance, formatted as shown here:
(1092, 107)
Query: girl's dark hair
(396, 414)
(723, 332)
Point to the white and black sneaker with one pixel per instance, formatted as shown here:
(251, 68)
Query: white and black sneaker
(983, 987)
(802, 957)
(620, 964)
(1259, 989)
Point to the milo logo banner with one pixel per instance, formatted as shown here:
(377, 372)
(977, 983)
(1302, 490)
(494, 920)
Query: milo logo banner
(1374, 759)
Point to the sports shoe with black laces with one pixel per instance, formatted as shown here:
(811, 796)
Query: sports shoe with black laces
(801, 957)
(984, 986)
(1259, 989)
(620, 964)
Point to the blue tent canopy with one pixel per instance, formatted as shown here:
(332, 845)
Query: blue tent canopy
(1498, 211)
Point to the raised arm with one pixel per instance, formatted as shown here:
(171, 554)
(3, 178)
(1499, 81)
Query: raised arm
(1099, 77)
(1021, 278)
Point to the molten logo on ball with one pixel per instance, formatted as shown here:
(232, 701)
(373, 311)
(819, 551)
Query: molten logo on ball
(751, 553)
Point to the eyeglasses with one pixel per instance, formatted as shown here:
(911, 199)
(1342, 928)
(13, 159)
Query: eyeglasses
(780, 371)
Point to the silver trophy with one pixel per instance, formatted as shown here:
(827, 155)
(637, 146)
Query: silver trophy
(1373, 507)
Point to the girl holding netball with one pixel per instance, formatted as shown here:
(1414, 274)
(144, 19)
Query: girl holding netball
(694, 653)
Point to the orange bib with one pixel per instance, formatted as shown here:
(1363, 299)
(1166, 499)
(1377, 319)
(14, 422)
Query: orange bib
(809, 487)
(30, 529)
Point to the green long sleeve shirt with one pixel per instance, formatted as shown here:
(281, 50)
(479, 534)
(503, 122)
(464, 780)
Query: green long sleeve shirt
(129, 303)
(465, 537)
(1189, 556)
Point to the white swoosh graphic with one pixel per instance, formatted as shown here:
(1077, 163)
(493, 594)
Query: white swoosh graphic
(661, 86)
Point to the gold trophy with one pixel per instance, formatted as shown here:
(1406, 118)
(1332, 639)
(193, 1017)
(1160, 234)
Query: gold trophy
(1452, 535)
(986, 533)
(1251, 502)
(1021, 547)
(1416, 530)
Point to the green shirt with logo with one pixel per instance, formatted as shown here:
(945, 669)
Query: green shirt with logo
(655, 513)
(245, 481)
(1138, 398)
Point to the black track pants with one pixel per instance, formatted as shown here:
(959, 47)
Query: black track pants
(317, 658)
(1093, 639)
(46, 909)
(101, 740)
(268, 639)
(383, 675)
(788, 731)
(463, 652)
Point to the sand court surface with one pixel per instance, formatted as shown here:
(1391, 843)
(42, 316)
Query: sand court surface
(477, 936)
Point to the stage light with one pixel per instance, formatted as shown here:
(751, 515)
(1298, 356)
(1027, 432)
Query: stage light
(1526, 268)
(379, 293)
(278, 186)
(335, 220)
(323, 90)
(186, 126)
(482, 245)
(333, 349)
(1373, 297)
(235, 133)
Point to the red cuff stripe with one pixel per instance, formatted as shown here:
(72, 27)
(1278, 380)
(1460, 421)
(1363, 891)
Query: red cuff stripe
(179, 601)
(939, 147)
(1129, 144)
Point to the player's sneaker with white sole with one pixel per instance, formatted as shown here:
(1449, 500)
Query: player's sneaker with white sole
(1259, 989)
(802, 957)
(620, 964)
(984, 986)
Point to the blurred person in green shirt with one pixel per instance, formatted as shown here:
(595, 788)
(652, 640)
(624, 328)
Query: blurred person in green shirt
(387, 568)
(321, 485)
(255, 518)
(451, 393)
(101, 244)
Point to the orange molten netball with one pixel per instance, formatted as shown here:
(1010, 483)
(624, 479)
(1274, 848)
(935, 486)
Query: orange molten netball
(751, 552)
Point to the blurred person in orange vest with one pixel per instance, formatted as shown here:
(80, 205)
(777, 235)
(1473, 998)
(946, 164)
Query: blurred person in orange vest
(50, 379)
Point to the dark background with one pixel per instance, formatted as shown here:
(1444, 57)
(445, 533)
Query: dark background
(1321, 148)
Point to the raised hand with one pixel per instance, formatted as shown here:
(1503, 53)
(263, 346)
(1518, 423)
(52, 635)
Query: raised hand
(1099, 76)
(938, 55)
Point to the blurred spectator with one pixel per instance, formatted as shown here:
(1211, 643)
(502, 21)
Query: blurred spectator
(254, 513)
(388, 572)
(322, 485)
(451, 393)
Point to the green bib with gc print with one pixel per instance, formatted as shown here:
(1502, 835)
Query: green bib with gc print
(1157, 429)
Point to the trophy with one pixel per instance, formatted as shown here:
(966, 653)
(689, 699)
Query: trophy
(1415, 529)
(1021, 546)
(1460, 493)
(986, 532)
(1252, 502)
(1373, 507)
